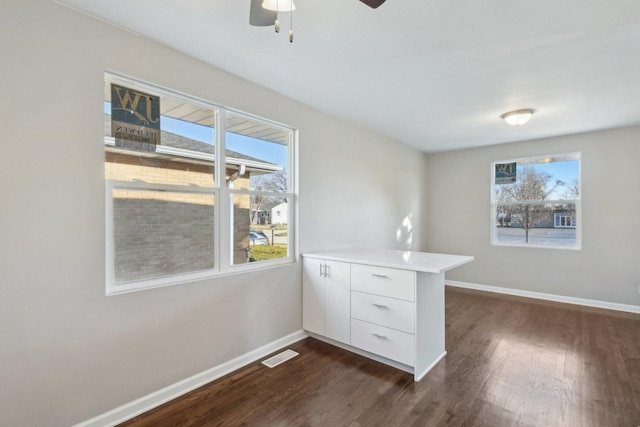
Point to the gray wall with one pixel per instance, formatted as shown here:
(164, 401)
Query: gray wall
(68, 352)
(608, 266)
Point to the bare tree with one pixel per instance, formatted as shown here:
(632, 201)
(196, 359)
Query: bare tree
(277, 182)
(522, 198)
(573, 190)
(273, 183)
(257, 203)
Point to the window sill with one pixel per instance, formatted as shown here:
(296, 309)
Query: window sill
(513, 245)
(147, 284)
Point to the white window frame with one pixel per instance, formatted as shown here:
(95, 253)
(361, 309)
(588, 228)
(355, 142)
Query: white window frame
(223, 197)
(577, 202)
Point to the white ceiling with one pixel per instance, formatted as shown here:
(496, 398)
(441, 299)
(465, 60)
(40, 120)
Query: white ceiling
(434, 74)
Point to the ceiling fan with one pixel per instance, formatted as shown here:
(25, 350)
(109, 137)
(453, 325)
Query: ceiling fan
(264, 13)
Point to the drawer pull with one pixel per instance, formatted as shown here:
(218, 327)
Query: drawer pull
(377, 335)
(379, 305)
(381, 276)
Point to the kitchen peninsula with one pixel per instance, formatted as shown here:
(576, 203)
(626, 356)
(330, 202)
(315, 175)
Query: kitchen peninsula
(383, 304)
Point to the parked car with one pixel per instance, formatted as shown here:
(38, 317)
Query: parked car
(257, 238)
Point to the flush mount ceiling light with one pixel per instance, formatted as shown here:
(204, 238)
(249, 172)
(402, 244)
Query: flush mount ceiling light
(518, 117)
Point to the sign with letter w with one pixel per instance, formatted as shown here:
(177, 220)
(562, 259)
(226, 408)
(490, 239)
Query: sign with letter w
(135, 119)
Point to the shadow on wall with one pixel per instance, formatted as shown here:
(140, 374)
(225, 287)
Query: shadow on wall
(404, 233)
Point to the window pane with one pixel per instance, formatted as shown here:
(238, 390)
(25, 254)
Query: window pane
(161, 233)
(545, 178)
(263, 239)
(536, 224)
(258, 152)
(179, 152)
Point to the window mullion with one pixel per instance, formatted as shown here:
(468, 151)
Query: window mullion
(224, 220)
(259, 193)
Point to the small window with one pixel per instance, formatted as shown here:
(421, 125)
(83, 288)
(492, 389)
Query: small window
(536, 202)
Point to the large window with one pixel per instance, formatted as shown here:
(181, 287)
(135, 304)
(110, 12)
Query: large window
(536, 202)
(192, 188)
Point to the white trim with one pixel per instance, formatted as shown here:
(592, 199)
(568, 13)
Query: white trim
(529, 245)
(190, 154)
(157, 398)
(293, 177)
(245, 192)
(152, 186)
(138, 83)
(180, 279)
(548, 297)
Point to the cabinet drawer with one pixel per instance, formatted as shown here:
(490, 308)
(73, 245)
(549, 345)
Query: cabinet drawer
(388, 282)
(386, 342)
(384, 311)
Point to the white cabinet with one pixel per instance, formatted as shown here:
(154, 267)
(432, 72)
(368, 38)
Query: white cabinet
(326, 298)
(386, 305)
(383, 311)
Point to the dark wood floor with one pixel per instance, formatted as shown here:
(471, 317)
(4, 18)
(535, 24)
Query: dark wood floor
(511, 362)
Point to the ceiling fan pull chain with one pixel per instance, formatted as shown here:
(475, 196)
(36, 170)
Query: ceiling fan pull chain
(291, 30)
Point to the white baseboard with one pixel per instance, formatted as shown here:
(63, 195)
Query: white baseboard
(547, 297)
(157, 398)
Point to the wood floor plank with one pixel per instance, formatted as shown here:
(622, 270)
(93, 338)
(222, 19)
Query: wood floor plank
(511, 361)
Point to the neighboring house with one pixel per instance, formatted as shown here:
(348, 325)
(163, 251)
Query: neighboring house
(556, 216)
(180, 161)
(280, 214)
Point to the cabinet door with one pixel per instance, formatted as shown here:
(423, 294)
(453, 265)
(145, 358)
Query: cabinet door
(313, 296)
(338, 301)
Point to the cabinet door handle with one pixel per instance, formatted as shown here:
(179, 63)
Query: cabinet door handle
(377, 335)
(381, 276)
(322, 269)
(379, 305)
(327, 270)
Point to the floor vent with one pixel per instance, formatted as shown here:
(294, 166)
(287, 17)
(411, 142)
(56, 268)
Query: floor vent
(274, 361)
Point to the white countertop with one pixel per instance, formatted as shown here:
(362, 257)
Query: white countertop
(405, 260)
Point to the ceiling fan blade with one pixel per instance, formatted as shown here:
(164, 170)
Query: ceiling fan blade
(261, 17)
(373, 3)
